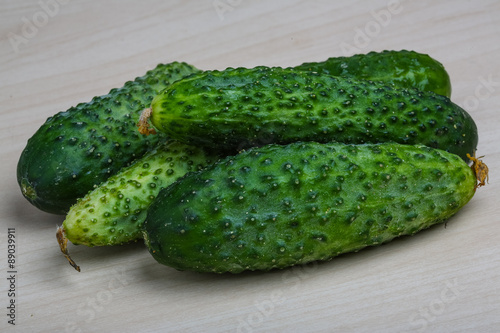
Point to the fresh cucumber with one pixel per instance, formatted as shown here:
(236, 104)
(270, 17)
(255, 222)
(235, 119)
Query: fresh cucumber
(77, 149)
(238, 108)
(278, 206)
(113, 213)
(402, 68)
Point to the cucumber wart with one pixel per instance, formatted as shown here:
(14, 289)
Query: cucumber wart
(77, 149)
(278, 206)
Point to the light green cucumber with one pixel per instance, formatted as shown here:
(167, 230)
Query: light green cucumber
(113, 213)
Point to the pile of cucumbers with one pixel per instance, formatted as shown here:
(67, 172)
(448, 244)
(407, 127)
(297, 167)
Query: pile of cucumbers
(258, 168)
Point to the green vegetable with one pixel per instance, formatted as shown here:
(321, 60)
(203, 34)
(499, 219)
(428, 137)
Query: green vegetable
(403, 68)
(278, 206)
(238, 108)
(113, 213)
(77, 149)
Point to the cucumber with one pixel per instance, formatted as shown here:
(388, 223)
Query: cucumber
(278, 206)
(77, 149)
(238, 108)
(403, 68)
(113, 213)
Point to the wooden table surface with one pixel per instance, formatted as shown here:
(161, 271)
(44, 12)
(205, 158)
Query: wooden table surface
(55, 54)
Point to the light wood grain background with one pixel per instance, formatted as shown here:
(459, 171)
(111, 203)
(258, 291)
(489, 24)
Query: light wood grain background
(441, 280)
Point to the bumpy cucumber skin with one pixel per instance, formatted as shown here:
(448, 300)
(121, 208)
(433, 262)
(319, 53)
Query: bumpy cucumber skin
(402, 68)
(79, 148)
(113, 213)
(239, 108)
(278, 206)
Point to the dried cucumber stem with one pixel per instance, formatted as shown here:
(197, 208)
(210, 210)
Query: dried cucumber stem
(480, 170)
(63, 245)
(143, 123)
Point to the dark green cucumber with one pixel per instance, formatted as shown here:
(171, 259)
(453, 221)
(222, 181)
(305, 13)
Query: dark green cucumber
(239, 108)
(77, 149)
(403, 68)
(278, 206)
(113, 213)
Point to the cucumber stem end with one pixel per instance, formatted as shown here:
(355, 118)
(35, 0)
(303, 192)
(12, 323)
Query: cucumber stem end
(480, 170)
(63, 245)
(143, 123)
